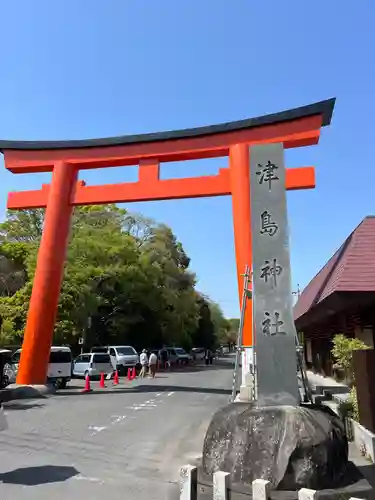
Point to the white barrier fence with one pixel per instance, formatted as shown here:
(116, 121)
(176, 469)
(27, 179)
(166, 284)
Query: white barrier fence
(260, 487)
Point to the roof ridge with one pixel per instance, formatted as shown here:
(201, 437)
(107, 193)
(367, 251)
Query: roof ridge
(342, 244)
(341, 254)
(326, 279)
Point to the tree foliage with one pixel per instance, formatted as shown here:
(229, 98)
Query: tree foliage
(342, 351)
(126, 280)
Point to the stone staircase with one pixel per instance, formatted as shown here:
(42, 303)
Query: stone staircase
(327, 391)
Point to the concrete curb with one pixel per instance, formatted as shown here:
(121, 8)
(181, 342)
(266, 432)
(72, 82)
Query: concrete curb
(16, 391)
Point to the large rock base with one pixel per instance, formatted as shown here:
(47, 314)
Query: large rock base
(19, 391)
(292, 447)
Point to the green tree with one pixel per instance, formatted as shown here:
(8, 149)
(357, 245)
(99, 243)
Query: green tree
(234, 324)
(342, 351)
(177, 306)
(221, 325)
(12, 276)
(204, 333)
(22, 226)
(230, 335)
(128, 274)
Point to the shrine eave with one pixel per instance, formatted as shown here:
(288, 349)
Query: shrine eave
(322, 108)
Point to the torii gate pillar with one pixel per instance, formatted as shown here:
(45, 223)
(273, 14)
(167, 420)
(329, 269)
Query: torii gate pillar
(48, 276)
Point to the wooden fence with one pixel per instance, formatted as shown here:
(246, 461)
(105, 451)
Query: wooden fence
(221, 487)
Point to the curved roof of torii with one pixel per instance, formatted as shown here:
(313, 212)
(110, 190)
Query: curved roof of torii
(323, 108)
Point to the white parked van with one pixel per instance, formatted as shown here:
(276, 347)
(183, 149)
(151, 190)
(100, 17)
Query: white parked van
(92, 364)
(123, 357)
(59, 367)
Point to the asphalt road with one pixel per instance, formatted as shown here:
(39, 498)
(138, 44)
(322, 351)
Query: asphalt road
(120, 442)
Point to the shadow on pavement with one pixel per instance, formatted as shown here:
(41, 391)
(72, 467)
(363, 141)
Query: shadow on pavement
(44, 474)
(202, 368)
(22, 406)
(146, 388)
(368, 472)
(177, 388)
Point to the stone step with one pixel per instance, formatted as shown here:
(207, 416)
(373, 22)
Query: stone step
(318, 398)
(326, 397)
(334, 406)
(340, 398)
(332, 389)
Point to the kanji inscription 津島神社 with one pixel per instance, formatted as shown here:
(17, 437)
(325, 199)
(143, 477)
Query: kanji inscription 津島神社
(272, 295)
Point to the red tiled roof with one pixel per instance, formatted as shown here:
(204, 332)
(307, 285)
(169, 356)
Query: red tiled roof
(350, 269)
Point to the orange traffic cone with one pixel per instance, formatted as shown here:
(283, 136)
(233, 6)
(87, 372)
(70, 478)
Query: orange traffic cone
(129, 374)
(87, 384)
(102, 383)
(134, 374)
(115, 378)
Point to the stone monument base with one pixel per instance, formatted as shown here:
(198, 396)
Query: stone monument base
(292, 447)
(246, 390)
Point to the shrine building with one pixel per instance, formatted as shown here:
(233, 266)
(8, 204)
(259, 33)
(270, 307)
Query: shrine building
(339, 299)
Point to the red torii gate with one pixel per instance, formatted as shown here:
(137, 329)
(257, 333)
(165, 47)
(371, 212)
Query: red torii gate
(294, 128)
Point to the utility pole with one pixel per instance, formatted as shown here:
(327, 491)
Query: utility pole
(297, 294)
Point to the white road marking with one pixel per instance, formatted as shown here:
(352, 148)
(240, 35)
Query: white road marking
(170, 393)
(119, 419)
(96, 429)
(142, 407)
(79, 477)
(115, 419)
(158, 394)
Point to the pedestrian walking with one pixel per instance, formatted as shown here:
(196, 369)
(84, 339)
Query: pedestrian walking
(164, 358)
(143, 358)
(3, 420)
(208, 357)
(152, 363)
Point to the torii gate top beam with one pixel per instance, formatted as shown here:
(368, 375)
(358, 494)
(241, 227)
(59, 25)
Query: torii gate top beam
(294, 127)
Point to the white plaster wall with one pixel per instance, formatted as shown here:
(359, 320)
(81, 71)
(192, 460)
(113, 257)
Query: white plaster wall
(364, 439)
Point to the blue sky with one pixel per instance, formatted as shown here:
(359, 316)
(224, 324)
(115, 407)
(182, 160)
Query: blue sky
(79, 69)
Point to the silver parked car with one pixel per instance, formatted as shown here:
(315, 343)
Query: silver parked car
(198, 353)
(92, 364)
(178, 356)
